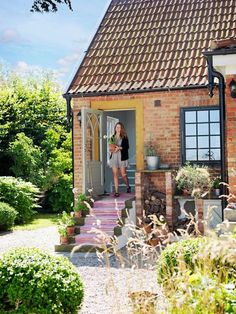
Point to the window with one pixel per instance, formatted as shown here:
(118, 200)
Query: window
(201, 134)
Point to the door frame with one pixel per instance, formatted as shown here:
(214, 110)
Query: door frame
(122, 105)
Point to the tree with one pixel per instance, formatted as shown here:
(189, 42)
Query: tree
(49, 5)
(34, 141)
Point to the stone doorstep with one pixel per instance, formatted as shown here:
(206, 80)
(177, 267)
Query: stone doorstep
(80, 249)
(230, 214)
(229, 226)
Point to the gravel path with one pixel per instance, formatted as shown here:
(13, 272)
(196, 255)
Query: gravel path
(106, 288)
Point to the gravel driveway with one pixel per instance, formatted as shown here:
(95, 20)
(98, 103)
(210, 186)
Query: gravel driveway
(106, 288)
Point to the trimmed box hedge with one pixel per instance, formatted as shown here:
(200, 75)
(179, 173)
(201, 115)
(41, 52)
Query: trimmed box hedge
(33, 281)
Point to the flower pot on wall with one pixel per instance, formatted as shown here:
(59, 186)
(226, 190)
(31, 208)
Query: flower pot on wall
(153, 162)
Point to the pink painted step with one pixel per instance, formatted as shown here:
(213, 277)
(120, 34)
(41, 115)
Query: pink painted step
(107, 211)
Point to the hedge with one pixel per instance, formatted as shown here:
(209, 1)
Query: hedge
(33, 281)
(7, 216)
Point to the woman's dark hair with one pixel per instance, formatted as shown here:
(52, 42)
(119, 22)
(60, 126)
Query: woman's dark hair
(123, 133)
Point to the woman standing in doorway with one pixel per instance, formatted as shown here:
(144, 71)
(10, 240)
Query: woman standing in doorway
(119, 156)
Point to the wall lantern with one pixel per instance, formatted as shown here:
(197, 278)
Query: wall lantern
(232, 87)
(79, 117)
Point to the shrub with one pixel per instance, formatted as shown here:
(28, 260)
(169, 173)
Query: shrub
(21, 195)
(32, 281)
(60, 196)
(7, 216)
(199, 276)
(168, 261)
(195, 179)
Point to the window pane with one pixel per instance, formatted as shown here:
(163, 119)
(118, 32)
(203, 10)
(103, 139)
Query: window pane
(214, 115)
(215, 141)
(191, 142)
(190, 116)
(203, 141)
(191, 154)
(203, 129)
(203, 154)
(215, 128)
(190, 129)
(215, 154)
(202, 116)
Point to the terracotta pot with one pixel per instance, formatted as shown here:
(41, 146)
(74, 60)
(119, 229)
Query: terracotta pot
(147, 228)
(154, 241)
(70, 230)
(64, 240)
(78, 214)
(185, 192)
(112, 148)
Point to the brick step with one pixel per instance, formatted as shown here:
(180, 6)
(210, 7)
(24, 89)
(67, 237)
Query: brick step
(102, 227)
(103, 213)
(89, 239)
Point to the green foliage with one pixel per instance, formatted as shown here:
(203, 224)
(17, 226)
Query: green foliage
(183, 250)
(60, 195)
(27, 159)
(49, 5)
(7, 216)
(66, 220)
(199, 276)
(33, 281)
(20, 195)
(34, 142)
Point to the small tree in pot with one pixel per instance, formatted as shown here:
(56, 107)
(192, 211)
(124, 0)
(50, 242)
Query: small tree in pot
(63, 234)
(153, 160)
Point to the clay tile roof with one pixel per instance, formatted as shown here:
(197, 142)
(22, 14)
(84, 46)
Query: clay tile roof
(148, 44)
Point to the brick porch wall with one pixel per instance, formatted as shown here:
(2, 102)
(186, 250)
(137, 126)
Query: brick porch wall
(161, 119)
(230, 104)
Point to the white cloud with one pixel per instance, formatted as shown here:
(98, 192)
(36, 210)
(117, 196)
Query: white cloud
(10, 35)
(24, 68)
(68, 60)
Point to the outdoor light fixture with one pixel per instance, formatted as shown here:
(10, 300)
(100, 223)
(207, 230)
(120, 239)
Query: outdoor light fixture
(79, 117)
(232, 87)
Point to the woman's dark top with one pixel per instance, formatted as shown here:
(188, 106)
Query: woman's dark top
(125, 148)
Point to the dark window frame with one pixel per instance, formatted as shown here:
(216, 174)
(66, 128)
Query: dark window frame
(183, 135)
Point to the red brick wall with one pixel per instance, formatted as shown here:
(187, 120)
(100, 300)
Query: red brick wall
(230, 104)
(162, 121)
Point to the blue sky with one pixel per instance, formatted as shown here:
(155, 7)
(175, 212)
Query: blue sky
(50, 41)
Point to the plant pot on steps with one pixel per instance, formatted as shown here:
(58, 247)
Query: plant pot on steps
(153, 162)
(78, 214)
(64, 240)
(70, 230)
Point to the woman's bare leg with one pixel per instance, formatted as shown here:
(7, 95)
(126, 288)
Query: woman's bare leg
(124, 176)
(116, 178)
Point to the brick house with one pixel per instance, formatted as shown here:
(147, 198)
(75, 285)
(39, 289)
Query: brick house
(145, 67)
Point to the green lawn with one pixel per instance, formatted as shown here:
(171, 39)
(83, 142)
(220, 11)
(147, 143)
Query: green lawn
(40, 221)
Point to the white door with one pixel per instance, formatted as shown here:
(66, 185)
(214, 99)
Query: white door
(111, 122)
(92, 154)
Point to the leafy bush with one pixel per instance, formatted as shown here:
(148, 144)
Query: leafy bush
(183, 250)
(33, 281)
(20, 195)
(199, 276)
(7, 216)
(60, 196)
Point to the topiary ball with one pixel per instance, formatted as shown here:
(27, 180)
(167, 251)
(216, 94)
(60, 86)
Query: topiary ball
(183, 251)
(33, 281)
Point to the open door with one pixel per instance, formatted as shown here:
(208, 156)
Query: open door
(92, 154)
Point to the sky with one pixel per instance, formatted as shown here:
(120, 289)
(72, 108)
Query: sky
(48, 41)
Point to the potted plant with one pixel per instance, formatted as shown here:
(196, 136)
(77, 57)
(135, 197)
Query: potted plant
(63, 234)
(193, 179)
(69, 222)
(153, 160)
(216, 185)
(112, 144)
